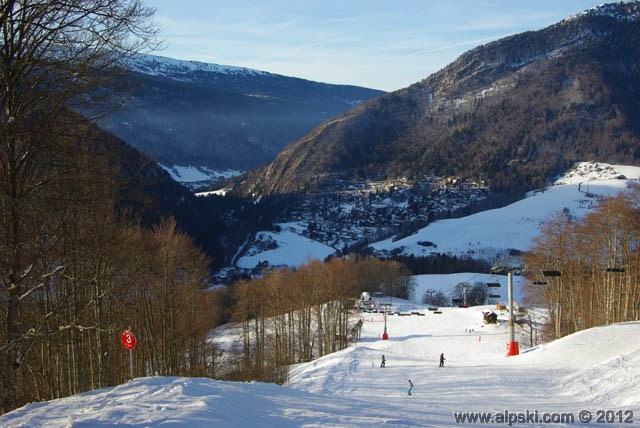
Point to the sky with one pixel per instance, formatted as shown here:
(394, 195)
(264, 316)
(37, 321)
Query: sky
(380, 44)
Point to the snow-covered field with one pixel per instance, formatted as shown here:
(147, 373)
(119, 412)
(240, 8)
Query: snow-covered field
(194, 174)
(597, 369)
(485, 235)
(293, 250)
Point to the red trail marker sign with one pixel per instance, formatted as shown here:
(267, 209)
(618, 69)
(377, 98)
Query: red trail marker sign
(128, 340)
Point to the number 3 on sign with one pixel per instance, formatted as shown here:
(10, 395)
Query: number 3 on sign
(128, 340)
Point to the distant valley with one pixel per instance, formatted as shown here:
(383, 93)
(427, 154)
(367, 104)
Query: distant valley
(413, 224)
(503, 119)
(220, 118)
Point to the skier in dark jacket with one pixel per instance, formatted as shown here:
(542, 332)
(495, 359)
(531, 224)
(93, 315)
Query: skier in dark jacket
(410, 387)
(442, 360)
(383, 362)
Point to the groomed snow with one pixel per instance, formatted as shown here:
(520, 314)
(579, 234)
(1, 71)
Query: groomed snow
(594, 369)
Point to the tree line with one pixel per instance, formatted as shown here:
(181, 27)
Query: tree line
(79, 270)
(290, 316)
(76, 267)
(586, 272)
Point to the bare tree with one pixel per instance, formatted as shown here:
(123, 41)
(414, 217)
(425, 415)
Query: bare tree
(292, 316)
(53, 55)
(435, 298)
(590, 266)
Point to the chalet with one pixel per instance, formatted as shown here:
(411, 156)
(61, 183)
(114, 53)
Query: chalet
(490, 317)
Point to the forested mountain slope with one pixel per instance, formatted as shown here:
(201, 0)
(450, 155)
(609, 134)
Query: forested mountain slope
(515, 112)
(220, 117)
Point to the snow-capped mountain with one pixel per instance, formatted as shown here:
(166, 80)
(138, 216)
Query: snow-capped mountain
(218, 117)
(623, 11)
(156, 65)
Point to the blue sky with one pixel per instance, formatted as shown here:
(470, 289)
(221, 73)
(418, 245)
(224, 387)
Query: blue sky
(382, 44)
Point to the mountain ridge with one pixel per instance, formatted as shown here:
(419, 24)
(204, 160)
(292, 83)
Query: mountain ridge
(539, 101)
(172, 67)
(186, 113)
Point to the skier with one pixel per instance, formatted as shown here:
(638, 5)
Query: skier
(410, 387)
(442, 360)
(383, 362)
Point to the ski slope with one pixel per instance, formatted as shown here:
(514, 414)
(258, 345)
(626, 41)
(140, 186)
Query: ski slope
(590, 370)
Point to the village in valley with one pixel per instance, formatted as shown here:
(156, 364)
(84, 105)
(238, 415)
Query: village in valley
(371, 211)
